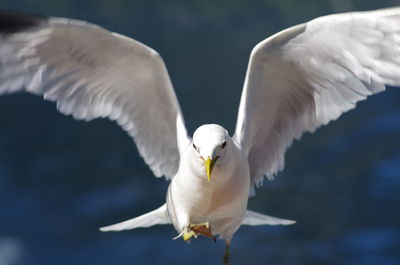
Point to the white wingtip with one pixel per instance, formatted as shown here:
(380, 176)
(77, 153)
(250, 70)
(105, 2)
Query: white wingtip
(287, 222)
(104, 229)
(107, 228)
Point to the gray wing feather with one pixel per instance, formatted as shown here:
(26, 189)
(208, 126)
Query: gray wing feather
(308, 75)
(91, 73)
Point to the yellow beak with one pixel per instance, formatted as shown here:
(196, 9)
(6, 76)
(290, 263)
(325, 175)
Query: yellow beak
(209, 164)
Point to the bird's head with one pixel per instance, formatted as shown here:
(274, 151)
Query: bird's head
(211, 143)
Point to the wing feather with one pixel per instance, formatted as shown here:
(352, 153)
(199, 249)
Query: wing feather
(93, 73)
(308, 75)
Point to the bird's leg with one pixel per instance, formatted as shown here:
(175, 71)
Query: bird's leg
(227, 252)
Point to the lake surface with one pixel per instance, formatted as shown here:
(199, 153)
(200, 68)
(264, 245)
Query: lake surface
(60, 180)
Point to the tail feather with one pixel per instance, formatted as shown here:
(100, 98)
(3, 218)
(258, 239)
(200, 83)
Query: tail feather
(158, 216)
(254, 218)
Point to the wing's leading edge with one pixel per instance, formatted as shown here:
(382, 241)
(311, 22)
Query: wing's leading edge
(91, 73)
(308, 75)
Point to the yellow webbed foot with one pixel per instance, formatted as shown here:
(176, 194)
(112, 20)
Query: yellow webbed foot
(188, 234)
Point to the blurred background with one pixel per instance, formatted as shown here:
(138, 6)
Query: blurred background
(61, 179)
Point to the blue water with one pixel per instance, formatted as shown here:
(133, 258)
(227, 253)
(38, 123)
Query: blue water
(60, 180)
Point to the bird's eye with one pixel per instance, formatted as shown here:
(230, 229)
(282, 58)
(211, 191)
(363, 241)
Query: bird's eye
(223, 145)
(195, 147)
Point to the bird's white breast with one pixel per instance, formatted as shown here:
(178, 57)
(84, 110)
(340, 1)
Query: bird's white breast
(192, 199)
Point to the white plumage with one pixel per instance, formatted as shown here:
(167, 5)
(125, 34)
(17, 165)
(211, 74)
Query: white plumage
(308, 75)
(297, 80)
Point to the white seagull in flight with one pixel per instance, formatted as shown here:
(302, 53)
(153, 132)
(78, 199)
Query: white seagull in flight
(297, 80)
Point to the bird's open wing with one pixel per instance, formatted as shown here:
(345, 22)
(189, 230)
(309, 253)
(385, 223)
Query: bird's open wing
(308, 75)
(91, 73)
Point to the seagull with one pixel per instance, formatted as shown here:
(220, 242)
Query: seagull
(297, 80)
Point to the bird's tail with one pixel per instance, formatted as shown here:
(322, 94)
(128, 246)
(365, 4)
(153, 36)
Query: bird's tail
(158, 216)
(253, 218)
